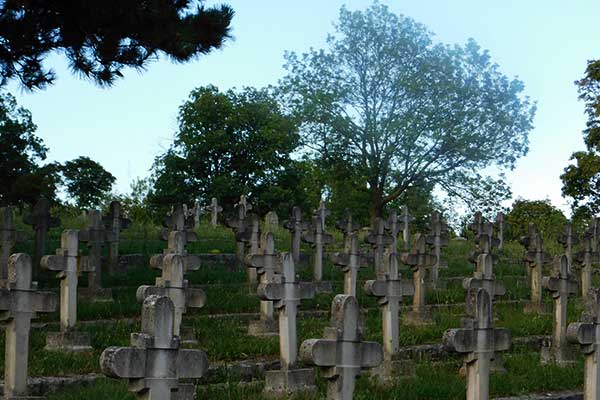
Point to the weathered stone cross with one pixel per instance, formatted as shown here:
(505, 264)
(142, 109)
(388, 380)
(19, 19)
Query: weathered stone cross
(393, 225)
(379, 240)
(10, 237)
(115, 222)
(389, 292)
(266, 263)
(214, 209)
(318, 239)
(405, 219)
(587, 334)
(240, 225)
(568, 239)
(342, 354)
(485, 242)
(296, 227)
(177, 241)
(500, 226)
(419, 259)
(154, 363)
(594, 229)
(535, 258)
(348, 226)
(69, 264)
(561, 286)
(477, 225)
(95, 235)
(41, 220)
(178, 220)
(483, 278)
(286, 293)
(439, 233)
(587, 258)
(350, 261)
(478, 343)
(20, 302)
(322, 212)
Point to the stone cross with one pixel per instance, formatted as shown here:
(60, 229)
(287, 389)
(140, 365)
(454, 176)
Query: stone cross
(500, 228)
(9, 236)
(322, 212)
(155, 363)
(20, 302)
(296, 227)
(286, 293)
(379, 240)
(477, 225)
(389, 292)
(266, 263)
(177, 241)
(561, 286)
(587, 258)
(179, 220)
(587, 335)
(173, 285)
(594, 229)
(348, 226)
(95, 235)
(393, 225)
(485, 242)
(350, 262)
(419, 258)
(318, 239)
(42, 221)
(115, 222)
(568, 239)
(439, 233)
(252, 236)
(214, 209)
(406, 219)
(240, 225)
(483, 278)
(69, 264)
(342, 354)
(272, 220)
(478, 342)
(535, 258)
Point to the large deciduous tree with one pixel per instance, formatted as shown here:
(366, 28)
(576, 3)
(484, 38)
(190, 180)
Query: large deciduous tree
(401, 111)
(86, 182)
(581, 181)
(100, 38)
(22, 179)
(231, 143)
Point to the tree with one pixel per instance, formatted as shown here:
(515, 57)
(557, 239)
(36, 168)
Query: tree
(100, 38)
(86, 182)
(230, 144)
(402, 111)
(581, 181)
(22, 180)
(549, 220)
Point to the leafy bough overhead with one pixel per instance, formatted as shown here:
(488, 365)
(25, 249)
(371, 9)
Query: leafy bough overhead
(402, 110)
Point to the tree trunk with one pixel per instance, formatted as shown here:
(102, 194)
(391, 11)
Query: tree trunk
(376, 210)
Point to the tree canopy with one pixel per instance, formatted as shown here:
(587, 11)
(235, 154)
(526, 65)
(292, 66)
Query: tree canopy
(100, 38)
(549, 220)
(385, 101)
(229, 144)
(86, 182)
(581, 181)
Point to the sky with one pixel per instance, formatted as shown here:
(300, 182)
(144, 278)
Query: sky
(544, 43)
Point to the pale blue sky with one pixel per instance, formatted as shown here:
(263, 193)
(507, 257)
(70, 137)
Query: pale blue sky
(546, 43)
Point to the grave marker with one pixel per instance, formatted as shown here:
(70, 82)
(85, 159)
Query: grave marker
(587, 258)
(379, 240)
(318, 239)
(483, 278)
(214, 209)
(69, 264)
(535, 258)
(478, 342)
(342, 354)
(240, 226)
(405, 219)
(500, 228)
(286, 293)
(10, 236)
(350, 262)
(322, 212)
(20, 302)
(272, 220)
(348, 226)
(179, 220)
(155, 363)
(568, 239)
(439, 234)
(115, 222)
(477, 225)
(296, 227)
(95, 235)
(42, 221)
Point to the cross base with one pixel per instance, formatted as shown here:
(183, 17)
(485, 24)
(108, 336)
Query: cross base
(536, 308)
(284, 383)
(71, 341)
(323, 286)
(97, 295)
(263, 328)
(415, 318)
(567, 355)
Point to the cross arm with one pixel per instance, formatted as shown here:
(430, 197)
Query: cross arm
(191, 363)
(478, 283)
(502, 339)
(582, 333)
(459, 340)
(272, 291)
(342, 259)
(308, 237)
(371, 354)
(84, 264)
(123, 362)
(44, 302)
(54, 263)
(319, 352)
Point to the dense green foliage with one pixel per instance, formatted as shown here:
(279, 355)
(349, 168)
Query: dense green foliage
(581, 181)
(549, 220)
(100, 38)
(229, 144)
(400, 111)
(86, 182)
